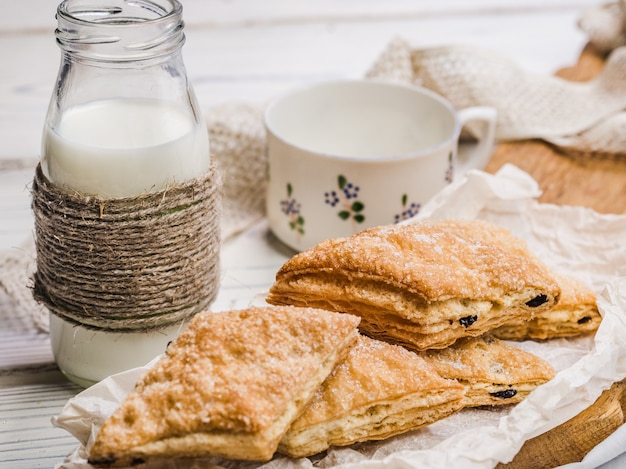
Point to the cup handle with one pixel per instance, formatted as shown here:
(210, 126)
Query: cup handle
(477, 157)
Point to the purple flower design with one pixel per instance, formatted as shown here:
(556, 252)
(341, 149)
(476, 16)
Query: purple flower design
(407, 212)
(347, 199)
(291, 207)
(351, 191)
(331, 198)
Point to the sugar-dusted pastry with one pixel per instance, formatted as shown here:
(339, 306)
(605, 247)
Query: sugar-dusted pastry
(378, 391)
(575, 314)
(422, 285)
(492, 371)
(229, 385)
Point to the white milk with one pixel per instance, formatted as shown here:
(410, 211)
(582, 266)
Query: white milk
(362, 132)
(118, 148)
(121, 148)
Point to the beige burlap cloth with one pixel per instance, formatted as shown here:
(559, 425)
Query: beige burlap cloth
(582, 118)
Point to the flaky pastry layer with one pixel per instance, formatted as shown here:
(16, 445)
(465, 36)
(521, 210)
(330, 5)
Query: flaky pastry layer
(230, 385)
(422, 285)
(377, 391)
(492, 371)
(575, 314)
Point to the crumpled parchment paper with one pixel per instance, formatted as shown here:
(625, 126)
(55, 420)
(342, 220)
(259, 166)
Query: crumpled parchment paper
(572, 240)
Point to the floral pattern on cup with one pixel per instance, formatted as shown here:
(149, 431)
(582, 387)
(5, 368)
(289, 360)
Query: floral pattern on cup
(450, 170)
(408, 211)
(291, 207)
(350, 208)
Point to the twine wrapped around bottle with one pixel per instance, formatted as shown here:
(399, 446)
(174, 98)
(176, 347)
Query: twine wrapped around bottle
(129, 264)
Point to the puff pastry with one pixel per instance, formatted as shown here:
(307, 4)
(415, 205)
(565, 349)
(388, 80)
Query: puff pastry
(378, 391)
(492, 371)
(575, 314)
(422, 285)
(230, 385)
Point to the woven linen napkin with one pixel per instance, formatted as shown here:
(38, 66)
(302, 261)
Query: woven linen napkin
(605, 25)
(582, 117)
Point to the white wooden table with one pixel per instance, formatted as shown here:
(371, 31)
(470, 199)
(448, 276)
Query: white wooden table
(238, 50)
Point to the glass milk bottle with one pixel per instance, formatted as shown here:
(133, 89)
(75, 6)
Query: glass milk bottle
(122, 121)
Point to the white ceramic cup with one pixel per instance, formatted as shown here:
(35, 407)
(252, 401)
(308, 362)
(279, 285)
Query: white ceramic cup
(351, 154)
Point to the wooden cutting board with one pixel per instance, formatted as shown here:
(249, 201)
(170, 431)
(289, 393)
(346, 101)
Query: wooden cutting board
(591, 182)
(572, 440)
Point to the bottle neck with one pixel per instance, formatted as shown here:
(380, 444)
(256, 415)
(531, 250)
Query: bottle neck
(119, 49)
(123, 118)
(116, 33)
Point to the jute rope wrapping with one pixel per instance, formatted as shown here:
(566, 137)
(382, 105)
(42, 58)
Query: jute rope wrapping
(128, 264)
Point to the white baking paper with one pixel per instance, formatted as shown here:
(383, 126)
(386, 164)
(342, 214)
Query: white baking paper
(572, 240)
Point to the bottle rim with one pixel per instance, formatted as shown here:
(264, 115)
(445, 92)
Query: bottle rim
(94, 14)
(119, 30)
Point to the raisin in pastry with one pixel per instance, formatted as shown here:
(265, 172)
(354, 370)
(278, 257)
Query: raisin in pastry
(575, 314)
(230, 385)
(492, 371)
(422, 285)
(378, 391)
